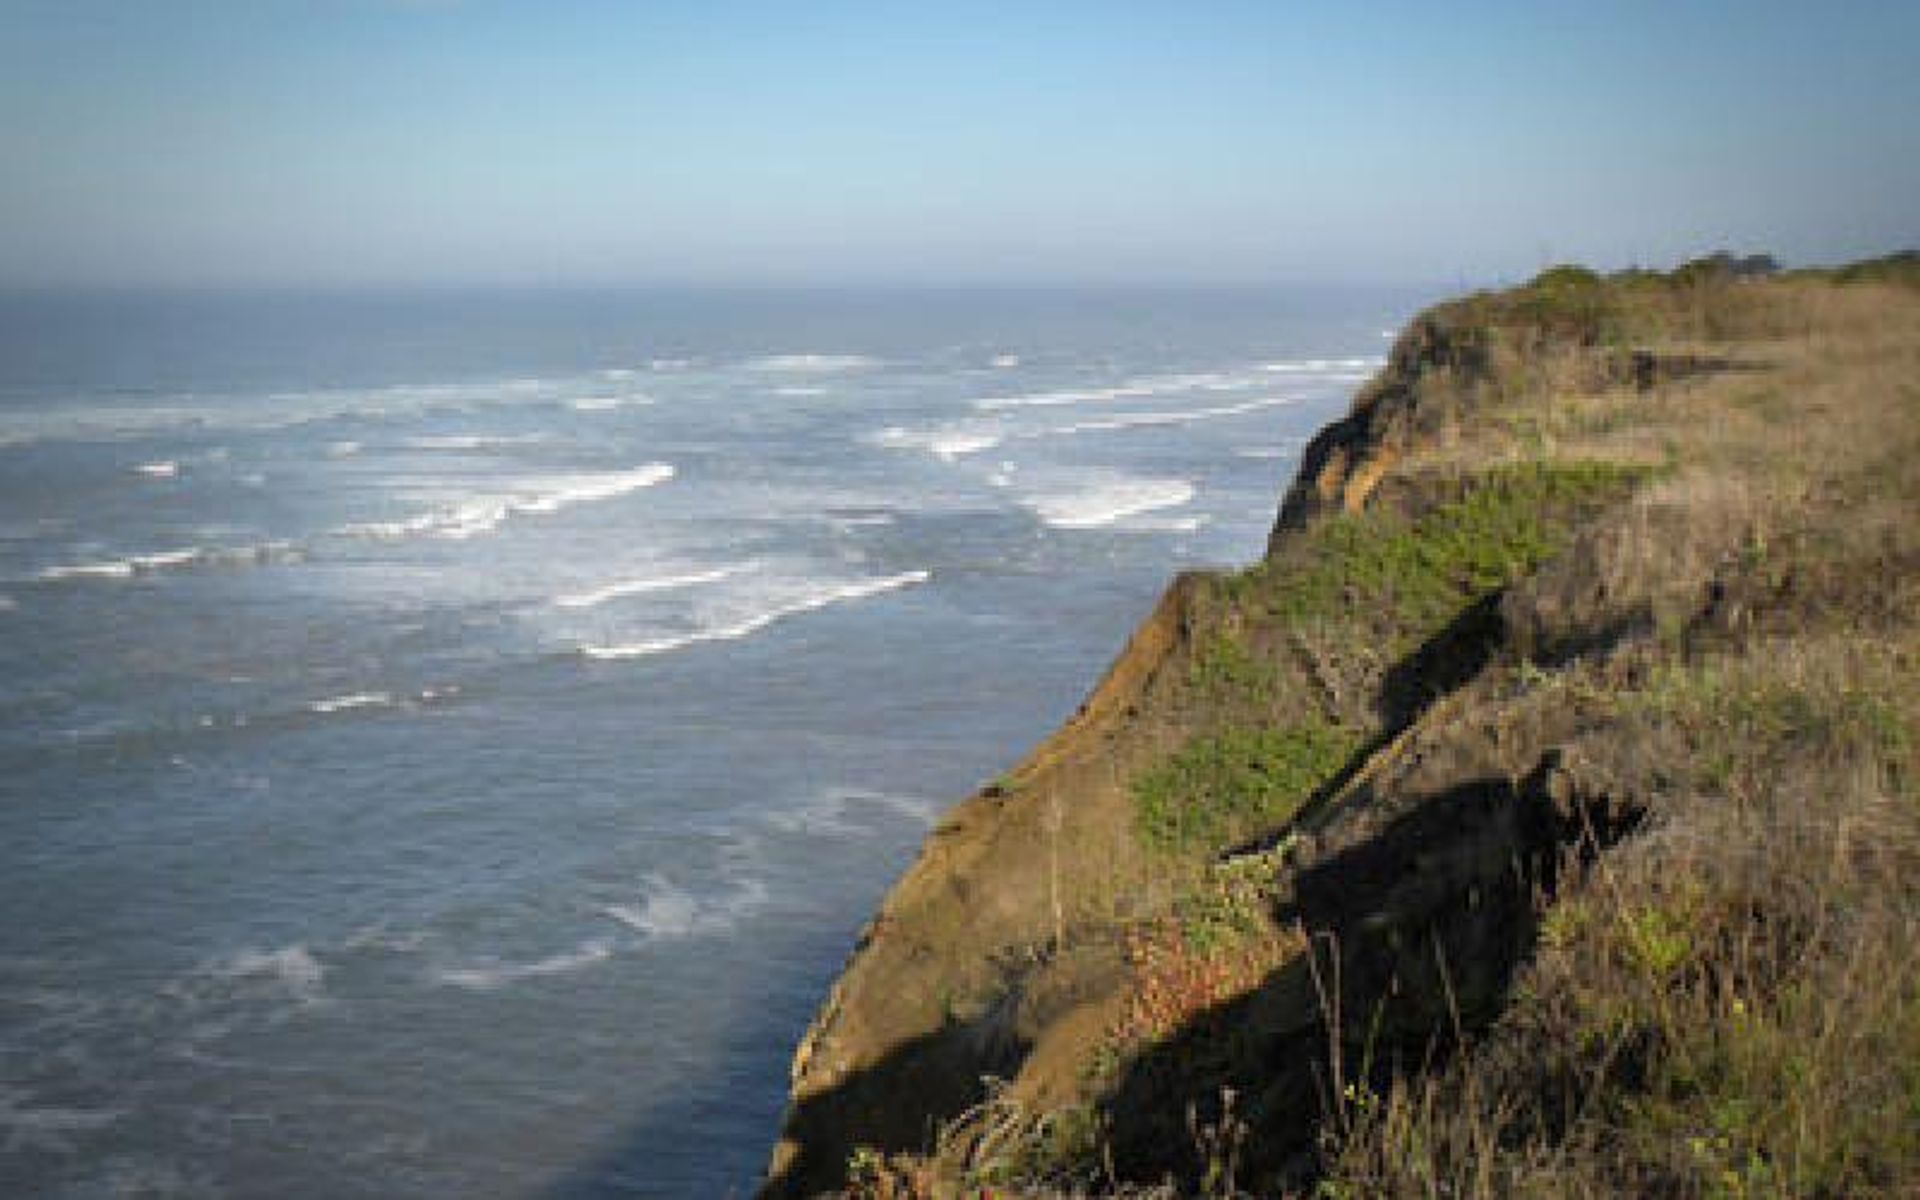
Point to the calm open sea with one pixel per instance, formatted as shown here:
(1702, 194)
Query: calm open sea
(448, 742)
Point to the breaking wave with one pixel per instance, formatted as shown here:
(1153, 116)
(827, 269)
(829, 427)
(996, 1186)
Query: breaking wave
(351, 701)
(946, 442)
(470, 518)
(136, 565)
(1170, 417)
(494, 973)
(1153, 385)
(1319, 366)
(754, 623)
(813, 363)
(640, 587)
(1109, 503)
(666, 910)
(471, 441)
(835, 812)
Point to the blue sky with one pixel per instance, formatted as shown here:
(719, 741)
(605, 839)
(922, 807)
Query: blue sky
(341, 142)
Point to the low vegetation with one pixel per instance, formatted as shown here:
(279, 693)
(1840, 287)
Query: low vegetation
(1224, 788)
(1412, 575)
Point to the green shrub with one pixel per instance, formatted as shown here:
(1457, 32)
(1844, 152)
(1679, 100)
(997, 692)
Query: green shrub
(1224, 788)
(1418, 575)
(1226, 670)
(1565, 276)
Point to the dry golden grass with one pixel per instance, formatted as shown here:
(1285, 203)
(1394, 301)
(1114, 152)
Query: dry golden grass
(1729, 1004)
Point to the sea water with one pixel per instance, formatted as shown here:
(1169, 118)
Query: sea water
(449, 741)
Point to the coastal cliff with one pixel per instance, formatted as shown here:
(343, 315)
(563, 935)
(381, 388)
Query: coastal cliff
(1538, 816)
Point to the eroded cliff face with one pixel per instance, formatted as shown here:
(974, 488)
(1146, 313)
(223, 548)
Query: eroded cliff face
(1305, 834)
(958, 976)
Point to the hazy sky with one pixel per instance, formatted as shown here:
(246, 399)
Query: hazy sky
(593, 141)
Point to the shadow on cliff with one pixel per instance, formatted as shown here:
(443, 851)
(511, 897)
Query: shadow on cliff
(1414, 936)
(898, 1104)
(1443, 663)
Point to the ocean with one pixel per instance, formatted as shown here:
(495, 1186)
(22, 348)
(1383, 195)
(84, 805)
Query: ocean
(450, 740)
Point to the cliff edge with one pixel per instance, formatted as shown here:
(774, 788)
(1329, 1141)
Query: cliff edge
(1537, 817)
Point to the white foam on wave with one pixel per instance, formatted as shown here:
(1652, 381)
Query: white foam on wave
(1170, 417)
(744, 627)
(582, 489)
(1054, 399)
(617, 373)
(604, 403)
(386, 395)
(136, 565)
(354, 701)
(164, 469)
(1151, 385)
(468, 519)
(813, 363)
(641, 587)
(961, 438)
(1155, 524)
(1321, 366)
(1285, 450)
(106, 420)
(946, 442)
(1003, 361)
(494, 973)
(343, 449)
(668, 911)
(119, 568)
(665, 911)
(799, 390)
(834, 813)
(378, 936)
(112, 419)
(458, 442)
(8, 604)
(1108, 502)
(291, 968)
(351, 700)
(471, 518)
(167, 558)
